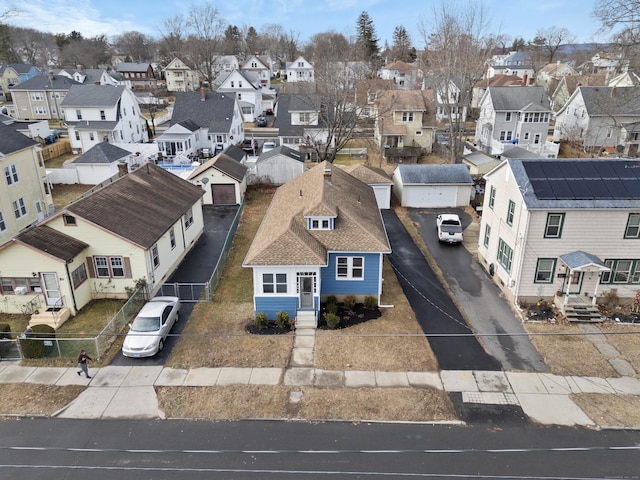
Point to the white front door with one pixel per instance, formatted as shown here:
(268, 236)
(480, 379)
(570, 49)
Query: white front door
(51, 289)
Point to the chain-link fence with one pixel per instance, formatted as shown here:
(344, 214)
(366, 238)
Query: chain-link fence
(217, 271)
(125, 315)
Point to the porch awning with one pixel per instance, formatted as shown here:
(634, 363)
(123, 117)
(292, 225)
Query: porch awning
(579, 261)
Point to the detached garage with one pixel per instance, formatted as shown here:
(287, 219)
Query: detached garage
(223, 180)
(432, 186)
(377, 179)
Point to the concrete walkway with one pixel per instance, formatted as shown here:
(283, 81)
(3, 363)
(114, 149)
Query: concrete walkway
(128, 392)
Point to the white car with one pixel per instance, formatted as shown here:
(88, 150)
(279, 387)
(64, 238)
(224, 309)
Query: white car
(148, 332)
(449, 228)
(268, 146)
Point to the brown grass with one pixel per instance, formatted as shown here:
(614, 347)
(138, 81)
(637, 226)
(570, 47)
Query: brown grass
(618, 410)
(34, 399)
(626, 339)
(63, 195)
(264, 402)
(569, 354)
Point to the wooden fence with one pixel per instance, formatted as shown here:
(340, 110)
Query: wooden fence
(54, 150)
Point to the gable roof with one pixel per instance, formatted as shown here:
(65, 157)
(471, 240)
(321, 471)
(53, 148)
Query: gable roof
(282, 150)
(224, 164)
(400, 66)
(499, 80)
(93, 96)
(103, 152)
(133, 67)
(215, 112)
(139, 206)
(611, 100)
(294, 102)
(368, 174)
(530, 98)
(324, 190)
(12, 141)
(44, 82)
(51, 242)
(435, 174)
(576, 182)
(232, 151)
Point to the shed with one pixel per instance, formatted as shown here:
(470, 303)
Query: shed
(479, 162)
(432, 186)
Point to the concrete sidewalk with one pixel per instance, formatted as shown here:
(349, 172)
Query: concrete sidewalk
(128, 392)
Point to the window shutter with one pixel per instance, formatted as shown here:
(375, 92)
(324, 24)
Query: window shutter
(91, 267)
(127, 267)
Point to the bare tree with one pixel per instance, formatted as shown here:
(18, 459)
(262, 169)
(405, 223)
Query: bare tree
(137, 46)
(457, 46)
(204, 43)
(280, 43)
(624, 14)
(34, 47)
(548, 41)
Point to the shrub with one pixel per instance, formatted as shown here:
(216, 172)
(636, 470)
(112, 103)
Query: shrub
(332, 320)
(350, 302)
(4, 330)
(370, 302)
(331, 308)
(282, 319)
(261, 320)
(332, 299)
(32, 346)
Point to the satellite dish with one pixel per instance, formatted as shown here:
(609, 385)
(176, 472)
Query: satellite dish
(205, 180)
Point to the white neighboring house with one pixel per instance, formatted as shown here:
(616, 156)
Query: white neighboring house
(562, 225)
(255, 65)
(300, 70)
(247, 89)
(98, 113)
(91, 76)
(601, 118)
(512, 63)
(180, 76)
(105, 160)
(225, 63)
(514, 115)
(404, 75)
(217, 115)
(182, 142)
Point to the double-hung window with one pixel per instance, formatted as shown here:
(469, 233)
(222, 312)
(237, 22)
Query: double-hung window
(11, 173)
(492, 197)
(505, 255)
(544, 270)
(553, 229)
(109, 267)
(633, 226)
(350, 268)
(487, 234)
(19, 208)
(511, 209)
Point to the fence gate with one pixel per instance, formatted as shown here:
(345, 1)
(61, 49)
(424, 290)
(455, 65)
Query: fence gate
(9, 349)
(186, 292)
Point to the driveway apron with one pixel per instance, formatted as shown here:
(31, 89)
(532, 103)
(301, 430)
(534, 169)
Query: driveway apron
(489, 314)
(451, 339)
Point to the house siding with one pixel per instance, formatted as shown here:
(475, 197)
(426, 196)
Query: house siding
(272, 305)
(369, 285)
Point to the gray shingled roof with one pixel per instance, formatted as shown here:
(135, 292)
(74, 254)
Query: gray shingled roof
(214, 113)
(224, 164)
(93, 96)
(281, 150)
(140, 206)
(235, 152)
(611, 100)
(291, 102)
(132, 67)
(104, 152)
(43, 82)
(435, 174)
(52, 242)
(507, 99)
(283, 238)
(581, 260)
(13, 141)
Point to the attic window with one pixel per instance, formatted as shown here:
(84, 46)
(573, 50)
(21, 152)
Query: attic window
(320, 224)
(69, 220)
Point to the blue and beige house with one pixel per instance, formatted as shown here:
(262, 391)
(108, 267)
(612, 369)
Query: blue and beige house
(322, 235)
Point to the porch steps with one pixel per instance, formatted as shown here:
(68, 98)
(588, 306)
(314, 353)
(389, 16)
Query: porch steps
(306, 319)
(582, 313)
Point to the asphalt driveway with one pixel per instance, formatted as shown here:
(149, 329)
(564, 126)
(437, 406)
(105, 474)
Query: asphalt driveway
(451, 339)
(487, 312)
(197, 267)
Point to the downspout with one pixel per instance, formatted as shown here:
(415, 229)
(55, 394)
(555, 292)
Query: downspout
(73, 297)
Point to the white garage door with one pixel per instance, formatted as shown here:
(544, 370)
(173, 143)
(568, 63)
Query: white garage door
(428, 196)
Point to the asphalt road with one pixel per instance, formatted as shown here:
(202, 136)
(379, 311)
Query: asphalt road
(450, 337)
(486, 311)
(197, 267)
(76, 449)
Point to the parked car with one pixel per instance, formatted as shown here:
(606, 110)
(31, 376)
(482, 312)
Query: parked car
(269, 111)
(248, 145)
(267, 146)
(148, 332)
(449, 228)
(442, 139)
(261, 121)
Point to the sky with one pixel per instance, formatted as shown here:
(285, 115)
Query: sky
(305, 17)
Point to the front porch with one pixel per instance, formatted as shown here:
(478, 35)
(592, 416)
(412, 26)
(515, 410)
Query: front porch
(577, 308)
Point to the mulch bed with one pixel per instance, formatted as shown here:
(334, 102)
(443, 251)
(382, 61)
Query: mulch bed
(541, 311)
(348, 318)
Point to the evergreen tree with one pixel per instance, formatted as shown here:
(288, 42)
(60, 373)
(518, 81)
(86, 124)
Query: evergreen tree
(367, 40)
(402, 48)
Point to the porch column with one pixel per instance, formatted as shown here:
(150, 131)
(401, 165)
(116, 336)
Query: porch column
(595, 290)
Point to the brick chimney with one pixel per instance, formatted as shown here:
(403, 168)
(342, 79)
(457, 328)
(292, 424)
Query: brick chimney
(525, 77)
(123, 169)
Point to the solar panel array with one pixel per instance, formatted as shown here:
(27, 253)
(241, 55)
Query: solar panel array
(584, 179)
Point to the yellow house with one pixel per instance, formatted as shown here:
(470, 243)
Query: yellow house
(139, 227)
(25, 196)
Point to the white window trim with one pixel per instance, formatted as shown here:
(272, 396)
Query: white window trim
(350, 268)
